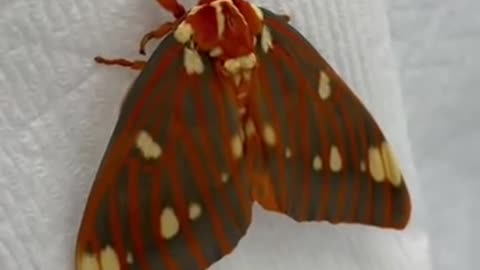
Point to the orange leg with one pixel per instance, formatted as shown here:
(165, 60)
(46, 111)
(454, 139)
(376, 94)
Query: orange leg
(173, 6)
(138, 64)
(156, 34)
(135, 64)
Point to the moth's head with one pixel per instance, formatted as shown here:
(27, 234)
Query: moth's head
(224, 29)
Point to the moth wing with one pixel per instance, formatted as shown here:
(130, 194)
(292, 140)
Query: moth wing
(170, 192)
(327, 158)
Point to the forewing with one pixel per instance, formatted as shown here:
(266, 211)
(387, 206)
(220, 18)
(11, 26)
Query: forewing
(171, 190)
(330, 161)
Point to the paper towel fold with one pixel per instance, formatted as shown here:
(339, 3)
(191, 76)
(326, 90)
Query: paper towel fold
(57, 110)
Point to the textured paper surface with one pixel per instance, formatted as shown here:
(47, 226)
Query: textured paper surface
(437, 44)
(57, 110)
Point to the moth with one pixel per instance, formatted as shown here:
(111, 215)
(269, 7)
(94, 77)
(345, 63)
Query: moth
(233, 107)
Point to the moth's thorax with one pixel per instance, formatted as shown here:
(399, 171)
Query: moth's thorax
(223, 30)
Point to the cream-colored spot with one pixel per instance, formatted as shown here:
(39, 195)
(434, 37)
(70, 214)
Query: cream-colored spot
(220, 18)
(129, 258)
(269, 135)
(317, 163)
(257, 10)
(266, 39)
(335, 159)
(88, 262)
(250, 128)
(237, 78)
(324, 89)
(147, 146)
(235, 65)
(194, 211)
(169, 225)
(363, 167)
(216, 52)
(392, 170)
(193, 62)
(231, 5)
(375, 164)
(183, 33)
(225, 177)
(247, 75)
(109, 259)
(237, 147)
(288, 153)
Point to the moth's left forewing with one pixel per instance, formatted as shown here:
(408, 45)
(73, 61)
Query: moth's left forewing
(331, 161)
(171, 192)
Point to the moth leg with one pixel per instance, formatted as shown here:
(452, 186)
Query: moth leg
(135, 64)
(156, 34)
(173, 6)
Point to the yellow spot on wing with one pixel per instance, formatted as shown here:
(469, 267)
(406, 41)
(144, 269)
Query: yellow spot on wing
(225, 177)
(324, 89)
(392, 170)
(266, 39)
(109, 259)
(269, 135)
(194, 211)
(169, 225)
(129, 258)
(317, 163)
(193, 62)
(288, 153)
(375, 164)
(147, 146)
(88, 262)
(335, 159)
(237, 147)
(363, 167)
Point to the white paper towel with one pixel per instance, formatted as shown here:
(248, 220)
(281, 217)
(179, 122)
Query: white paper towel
(57, 110)
(438, 44)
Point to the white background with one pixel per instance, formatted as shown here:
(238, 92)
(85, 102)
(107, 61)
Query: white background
(437, 45)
